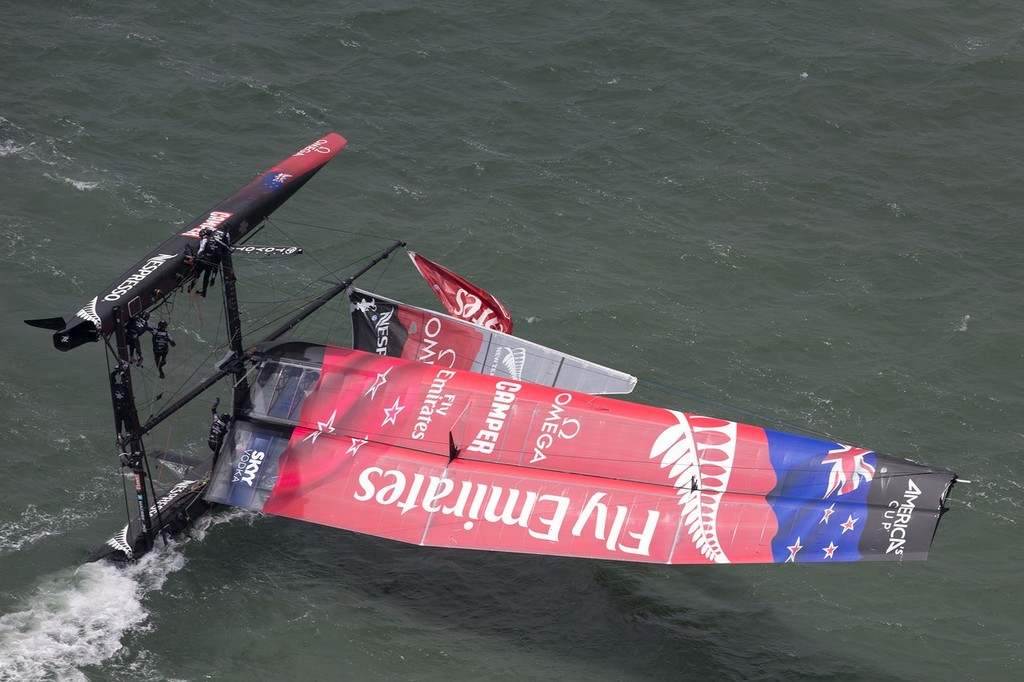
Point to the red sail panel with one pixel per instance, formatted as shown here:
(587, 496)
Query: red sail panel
(547, 470)
(620, 469)
(418, 498)
(462, 298)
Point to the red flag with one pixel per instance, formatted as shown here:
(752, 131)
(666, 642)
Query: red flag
(461, 299)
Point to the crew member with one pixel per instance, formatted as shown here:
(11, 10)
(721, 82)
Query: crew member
(218, 427)
(137, 326)
(212, 244)
(203, 262)
(119, 394)
(217, 243)
(161, 340)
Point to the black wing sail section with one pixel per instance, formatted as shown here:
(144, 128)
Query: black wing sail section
(170, 265)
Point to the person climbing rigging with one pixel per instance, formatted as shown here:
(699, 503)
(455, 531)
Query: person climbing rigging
(161, 340)
(137, 326)
(218, 427)
(119, 394)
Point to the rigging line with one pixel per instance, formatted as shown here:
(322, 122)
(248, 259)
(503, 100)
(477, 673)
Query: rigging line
(181, 384)
(279, 311)
(175, 370)
(336, 229)
(186, 346)
(335, 272)
(289, 238)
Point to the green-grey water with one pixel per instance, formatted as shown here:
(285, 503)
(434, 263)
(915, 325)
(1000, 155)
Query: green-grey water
(803, 212)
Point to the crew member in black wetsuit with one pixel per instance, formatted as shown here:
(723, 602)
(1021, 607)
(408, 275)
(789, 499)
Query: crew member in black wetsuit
(161, 340)
(218, 427)
(137, 326)
(119, 394)
(218, 241)
(212, 244)
(203, 264)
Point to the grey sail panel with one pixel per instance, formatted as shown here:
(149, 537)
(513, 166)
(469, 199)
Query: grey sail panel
(387, 327)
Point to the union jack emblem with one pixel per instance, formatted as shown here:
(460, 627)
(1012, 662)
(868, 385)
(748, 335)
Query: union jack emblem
(849, 468)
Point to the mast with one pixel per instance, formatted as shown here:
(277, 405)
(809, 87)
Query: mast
(234, 322)
(132, 455)
(236, 363)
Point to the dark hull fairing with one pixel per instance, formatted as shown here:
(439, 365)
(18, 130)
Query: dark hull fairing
(172, 514)
(171, 264)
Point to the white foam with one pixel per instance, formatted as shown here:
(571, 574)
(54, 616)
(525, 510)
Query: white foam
(79, 618)
(80, 185)
(10, 148)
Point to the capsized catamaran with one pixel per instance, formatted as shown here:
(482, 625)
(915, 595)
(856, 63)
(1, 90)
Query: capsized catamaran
(440, 432)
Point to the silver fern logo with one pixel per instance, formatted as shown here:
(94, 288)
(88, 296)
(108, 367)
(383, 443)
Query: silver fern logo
(88, 312)
(511, 360)
(699, 457)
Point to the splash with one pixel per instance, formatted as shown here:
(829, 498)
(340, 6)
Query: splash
(80, 618)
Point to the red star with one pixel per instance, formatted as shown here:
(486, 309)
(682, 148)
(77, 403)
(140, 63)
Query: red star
(830, 550)
(793, 549)
(828, 512)
(848, 524)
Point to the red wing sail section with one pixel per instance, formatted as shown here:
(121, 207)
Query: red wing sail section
(386, 327)
(543, 470)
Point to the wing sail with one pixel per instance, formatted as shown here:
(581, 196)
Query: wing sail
(169, 265)
(364, 442)
(387, 327)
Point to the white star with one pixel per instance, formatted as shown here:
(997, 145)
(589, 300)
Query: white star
(321, 426)
(378, 382)
(391, 413)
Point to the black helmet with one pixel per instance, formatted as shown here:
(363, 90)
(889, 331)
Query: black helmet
(205, 232)
(163, 324)
(145, 314)
(224, 416)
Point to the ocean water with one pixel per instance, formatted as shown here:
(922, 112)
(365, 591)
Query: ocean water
(792, 213)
